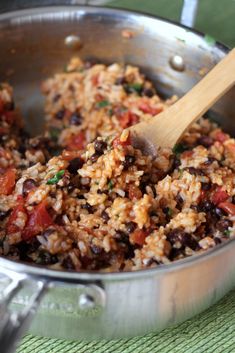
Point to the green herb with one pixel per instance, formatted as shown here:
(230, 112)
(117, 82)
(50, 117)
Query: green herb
(210, 40)
(133, 87)
(54, 133)
(180, 173)
(110, 112)
(179, 148)
(102, 104)
(227, 233)
(169, 212)
(56, 177)
(110, 185)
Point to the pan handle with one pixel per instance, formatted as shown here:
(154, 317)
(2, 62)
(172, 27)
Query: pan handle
(189, 13)
(14, 324)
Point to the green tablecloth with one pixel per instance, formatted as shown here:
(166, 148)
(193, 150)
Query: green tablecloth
(214, 330)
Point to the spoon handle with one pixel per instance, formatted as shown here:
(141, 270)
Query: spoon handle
(166, 128)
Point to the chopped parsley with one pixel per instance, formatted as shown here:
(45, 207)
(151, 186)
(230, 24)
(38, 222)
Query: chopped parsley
(110, 185)
(179, 148)
(133, 87)
(56, 177)
(54, 133)
(102, 104)
(227, 233)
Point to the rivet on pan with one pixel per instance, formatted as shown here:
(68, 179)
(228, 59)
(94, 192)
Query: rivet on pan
(177, 63)
(86, 302)
(73, 42)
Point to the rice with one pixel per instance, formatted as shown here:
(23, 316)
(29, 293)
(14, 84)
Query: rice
(81, 197)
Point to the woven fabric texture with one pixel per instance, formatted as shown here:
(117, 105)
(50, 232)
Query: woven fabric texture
(214, 330)
(211, 332)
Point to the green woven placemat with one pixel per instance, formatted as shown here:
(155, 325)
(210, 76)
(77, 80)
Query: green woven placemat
(212, 332)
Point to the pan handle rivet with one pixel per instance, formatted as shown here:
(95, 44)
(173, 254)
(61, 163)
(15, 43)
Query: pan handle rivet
(73, 42)
(86, 302)
(177, 63)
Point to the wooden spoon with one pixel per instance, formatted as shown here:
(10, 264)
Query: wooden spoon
(166, 128)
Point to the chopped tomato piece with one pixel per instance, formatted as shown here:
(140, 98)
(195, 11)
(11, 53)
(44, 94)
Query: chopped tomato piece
(77, 142)
(38, 221)
(1, 106)
(95, 79)
(219, 196)
(127, 119)
(138, 236)
(187, 154)
(7, 181)
(117, 142)
(146, 108)
(134, 192)
(228, 207)
(221, 136)
(11, 226)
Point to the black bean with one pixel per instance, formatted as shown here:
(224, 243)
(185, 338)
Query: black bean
(185, 239)
(28, 185)
(4, 214)
(179, 200)
(56, 97)
(121, 236)
(105, 216)
(195, 171)
(130, 227)
(120, 80)
(75, 164)
(100, 146)
(206, 206)
(96, 249)
(218, 212)
(206, 186)
(148, 92)
(217, 240)
(205, 141)
(94, 157)
(67, 263)
(45, 258)
(129, 161)
(60, 114)
(48, 232)
(76, 119)
(233, 199)
(224, 224)
(210, 160)
(87, 207)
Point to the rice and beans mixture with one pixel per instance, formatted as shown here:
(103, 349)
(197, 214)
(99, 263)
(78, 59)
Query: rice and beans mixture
(80, 197)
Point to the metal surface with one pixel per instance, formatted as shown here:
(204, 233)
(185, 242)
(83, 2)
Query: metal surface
(102, 305)
(189, 13)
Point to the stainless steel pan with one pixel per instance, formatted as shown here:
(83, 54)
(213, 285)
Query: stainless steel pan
(107, 305)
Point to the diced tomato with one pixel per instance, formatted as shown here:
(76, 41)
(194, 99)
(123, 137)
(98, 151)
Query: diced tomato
(11, 226)
(221, 136)
(7, 181)
(38, 221)
(187, 154)
(95, 79)
(77, 142)
(127, 118)
(228, 207)
(138, 236)
(1, 106)
(146, 108)
(117, 142)
(69, 155)
(219, 196)
(134, 192)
